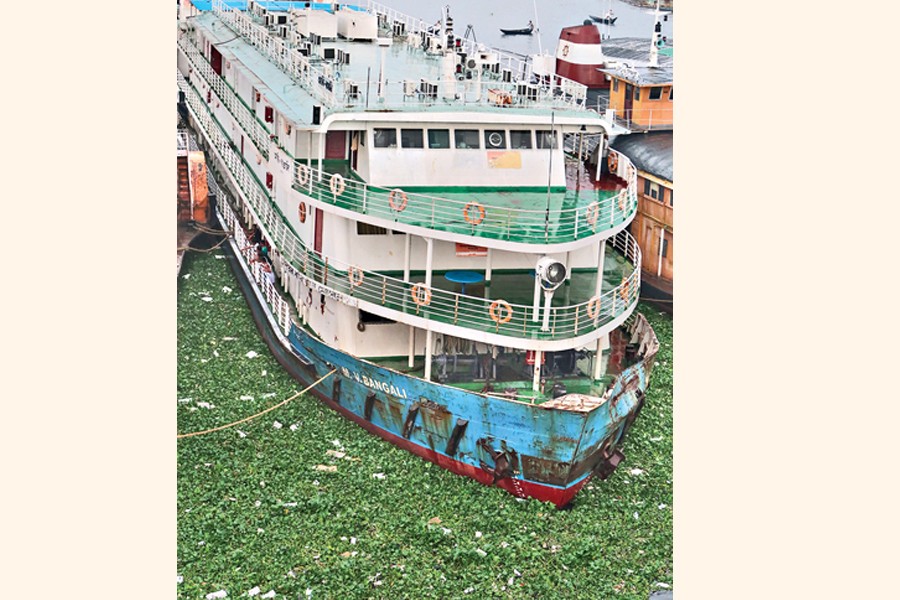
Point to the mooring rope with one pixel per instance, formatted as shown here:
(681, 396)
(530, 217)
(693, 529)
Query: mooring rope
(271, 408)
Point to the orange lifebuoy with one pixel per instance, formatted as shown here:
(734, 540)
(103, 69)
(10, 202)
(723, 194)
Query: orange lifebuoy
(337, 184)
(421, 295)
(613, 162)
(302, 174)
(355, 275)
(469, 218)
(301, 210)
(392, 199)
(623, 288)
(593, 307)
(494, 312)
(592, 212)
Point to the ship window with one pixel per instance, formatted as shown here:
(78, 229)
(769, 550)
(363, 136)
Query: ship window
(385, 138)
(438, 138)
(655, 192)
(546, 139)
(519, 139)
(672, 93)
(637, 93)
(367, 317)
(466, 138)
(411, 138)
(369, 229)
(655, 93)
(615, 85)
(671, 197)
(665, 248)
(646, 187)
(494, 138)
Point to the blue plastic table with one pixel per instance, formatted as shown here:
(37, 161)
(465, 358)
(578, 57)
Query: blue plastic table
(464, 277)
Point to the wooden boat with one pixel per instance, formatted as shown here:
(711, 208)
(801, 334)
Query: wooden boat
(524, 31)
(371, 224)
(604, 20)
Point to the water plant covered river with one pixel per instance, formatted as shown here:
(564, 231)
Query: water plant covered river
(301, 503)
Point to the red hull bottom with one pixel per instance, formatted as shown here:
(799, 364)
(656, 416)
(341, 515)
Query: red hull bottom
(517, 487)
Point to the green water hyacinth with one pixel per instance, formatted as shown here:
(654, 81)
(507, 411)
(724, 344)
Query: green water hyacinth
(319, 508)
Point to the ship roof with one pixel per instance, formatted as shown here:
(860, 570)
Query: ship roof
(633, 50)
(407, 70)
(650, 152)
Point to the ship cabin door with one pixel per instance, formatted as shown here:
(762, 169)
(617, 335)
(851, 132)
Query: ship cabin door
(629, 99)
(354, 149)
(317, 239)
(215, 59)
(336, 145)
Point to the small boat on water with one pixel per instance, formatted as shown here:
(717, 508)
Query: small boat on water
(524, 31)
(607, 20)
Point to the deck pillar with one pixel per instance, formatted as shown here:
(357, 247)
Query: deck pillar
(412, 346)
(536, 381)
(537, 298)
(487, 268)
(412, 330)
(429, 341)
(600, 260)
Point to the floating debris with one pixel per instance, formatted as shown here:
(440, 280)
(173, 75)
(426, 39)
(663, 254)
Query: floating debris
(216, 595)
(252, 354)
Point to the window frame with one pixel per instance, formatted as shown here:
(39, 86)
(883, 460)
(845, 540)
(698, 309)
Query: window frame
(375, 133)
(477, 138)
(489, 134)
(421, 138)
(530, 138)
(430, 147)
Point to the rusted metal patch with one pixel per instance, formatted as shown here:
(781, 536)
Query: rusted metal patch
(539, 469)
(370, 404)
(336, 390)
(606, 467)
(410, 420)
(458, 431)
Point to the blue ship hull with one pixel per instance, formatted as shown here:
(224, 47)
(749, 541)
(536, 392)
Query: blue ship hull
(527, 449)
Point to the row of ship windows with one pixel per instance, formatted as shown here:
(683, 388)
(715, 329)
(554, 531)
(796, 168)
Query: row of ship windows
(654, 93)
(467, 139)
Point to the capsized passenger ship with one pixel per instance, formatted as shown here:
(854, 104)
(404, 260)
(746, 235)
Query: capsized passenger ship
(448, 229)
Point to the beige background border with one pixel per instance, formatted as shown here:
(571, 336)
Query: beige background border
(785, 406)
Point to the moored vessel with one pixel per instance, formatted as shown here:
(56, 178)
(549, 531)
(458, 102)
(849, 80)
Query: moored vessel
(442, 251)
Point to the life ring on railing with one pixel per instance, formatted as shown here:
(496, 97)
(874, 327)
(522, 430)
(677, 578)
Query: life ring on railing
(301, 211)
(337, 184)
(623, 288)
(469, 218)
(302, 174)
(593, 307)
(494, 311)
(392, 199)
(622, 194)
(421, 295)
(355, 275)
(592, 212)
(613, 162)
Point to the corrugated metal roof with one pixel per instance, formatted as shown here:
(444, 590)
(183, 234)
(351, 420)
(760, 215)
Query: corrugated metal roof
(650, 152)
(633, 51)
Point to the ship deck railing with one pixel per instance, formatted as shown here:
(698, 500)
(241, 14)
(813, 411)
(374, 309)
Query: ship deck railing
(637, 119)
(535, 216)
(505, 82)
(494, 315)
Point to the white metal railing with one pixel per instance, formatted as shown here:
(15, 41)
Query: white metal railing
(289, 60)
(349, 283)
(637, 118)
(467, 217)
(487, 88)
(248, 121)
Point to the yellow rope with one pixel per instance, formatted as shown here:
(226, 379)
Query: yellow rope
(271, 408)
